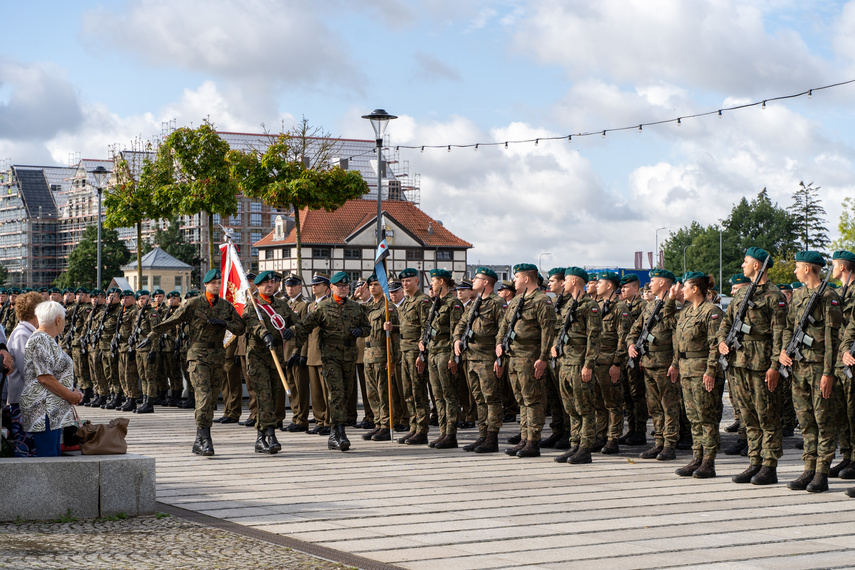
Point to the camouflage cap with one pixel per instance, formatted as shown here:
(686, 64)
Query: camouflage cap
(576, 272)
(811, 257)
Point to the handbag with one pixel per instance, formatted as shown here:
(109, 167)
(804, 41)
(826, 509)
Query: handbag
(70, 438)
(104, 439)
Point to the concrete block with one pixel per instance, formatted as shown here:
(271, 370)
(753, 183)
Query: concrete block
(127, 485)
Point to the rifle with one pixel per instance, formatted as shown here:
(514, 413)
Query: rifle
(847, 370)
(5, 310)
(799, 336)
(135, 334)
(510, 335)
(430, 332)
(739, 328)
(563, 335)
(468, 334)
(84, 338)
(72, 329)
(114, 342)
(97, 335)
(646, 335)
(179, 340)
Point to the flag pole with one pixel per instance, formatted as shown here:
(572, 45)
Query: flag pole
(272, 352)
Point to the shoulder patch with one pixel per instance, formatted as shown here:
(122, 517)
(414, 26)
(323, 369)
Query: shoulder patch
(834, 302)
(715, 315)
(548, 301)
(624, 314)
(594, 309)
(457, 306)
(426, 300)
(504, 305)
(782, 303)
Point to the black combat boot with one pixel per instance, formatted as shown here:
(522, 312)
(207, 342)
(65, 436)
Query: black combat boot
(338, 440)
(105, 400)
(275, 446)
(732, 428)
(745, 476)
(801, 483)
(550, 441)
(437, 440)
(368, 435)
(689, 469)
(147, 407)
(342, 437)
(567, 455)
(564, 442)
(685, 442)
(667, 454)
(611, 448)
(418, 439)
(189, 403)
(819, 483)
(87, 397)
(261, 445)
(599, 444)
(515, 439)
(637, 438)
(835, 471)
(652, 452)
(737, 447)
(706, 470)
(490, 444)
(448, 442)
(850, 492)
(849, 472)
(207, 443)
(531, 449)
(512, 451)
(474, 444)
(403, 439)
(382, 434)
(197, 445)
(130, 405)
(766, 476)
(581, 457)
(113, 403)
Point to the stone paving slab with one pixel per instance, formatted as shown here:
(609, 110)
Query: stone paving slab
(422, 508)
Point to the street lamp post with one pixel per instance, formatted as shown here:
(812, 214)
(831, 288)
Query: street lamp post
(100, 174)
(656, 253)
(684, 255)
(540, 259)
(379, 121)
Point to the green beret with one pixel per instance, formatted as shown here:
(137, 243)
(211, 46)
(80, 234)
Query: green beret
(540, 279)
(440, 273)
(408, 272)
(67, 290)
(14, 291)
(663, 273)
(593, 276)
(211, 275)
(158, 292)
(80, 290)
(172, 294)
(833, 285)
(738, 279)
(679, 280)
(113, 290)
(54, 290)
(844, 255)
(127, 293)
(576, 272)
(796, 284)
(524, 267)
(760, 255)
(785, 287)
(266, 276)
(811, 257)
(693, 275)
(487, 272)
(191, 294)
(340, 278)
(97, 293)
(142, 292)
(629, 278)
(371, 278)
(611, 276)
(555, 271)
(3, 291)
(42, 289)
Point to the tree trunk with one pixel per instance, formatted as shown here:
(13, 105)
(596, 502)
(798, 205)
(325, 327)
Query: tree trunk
(139, 254)
(299, 240)
(211, 241)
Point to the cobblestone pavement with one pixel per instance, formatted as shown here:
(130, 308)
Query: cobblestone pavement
(141, 543)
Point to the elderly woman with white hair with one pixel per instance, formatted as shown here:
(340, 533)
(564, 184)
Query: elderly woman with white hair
(48, 394)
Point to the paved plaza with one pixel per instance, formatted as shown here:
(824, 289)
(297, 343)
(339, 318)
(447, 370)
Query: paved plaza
(415, 507)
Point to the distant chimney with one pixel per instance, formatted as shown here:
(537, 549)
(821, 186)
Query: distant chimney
(430, 228)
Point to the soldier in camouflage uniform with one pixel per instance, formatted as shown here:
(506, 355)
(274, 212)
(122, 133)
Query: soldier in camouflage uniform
(297, 369)
(634, 392)
(660, 378)
(616, 319)
(842, 396)
(533, 333)
(128, 375)
(480, 357)
(10, 320)
(579, 339)
(376, 376)
(109, 364)
(696, 351)
(93, 350)
(413, 316)
(441, 366)
(846, 359)
(813, 374)
(740, 447)
(208, 318)
(263, 338)
(69, 301)
(561, 419)
(171, 366)
(182, 337)
(754, 370)
(78, 353)
(341, 321)
(148, 317)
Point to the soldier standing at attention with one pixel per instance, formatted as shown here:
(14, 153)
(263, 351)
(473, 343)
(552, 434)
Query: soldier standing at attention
(413, 315)
(696, 345)
(171, 367)
(78, 352)
(399, 406)
(146, 357)
(505, 290)
(441, 366)
(634, 392)
(183, 337)
(813, 374)
(479, 359)
(110, 365)
(660, 377)
(754, 370)
(96, 371)
(208, 317)
(740, 446)
(580, 344)
(297, 370)
(270, 334)
(376, 376)
(341, 321)
(529, 355)
(128, 375)
(320, 410)
(561, 420)
(843, 399)
(469, 407)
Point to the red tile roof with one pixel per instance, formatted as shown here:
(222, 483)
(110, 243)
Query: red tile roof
(319, 227)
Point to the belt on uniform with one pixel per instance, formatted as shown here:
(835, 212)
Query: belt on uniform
(527, 341)
(375, 344)
(577, 342)
(442, 337)
(694, 354)
(204, 345)
(344, 342)
(483, 340)
(417, 337)
(757, 337)
(660, 348)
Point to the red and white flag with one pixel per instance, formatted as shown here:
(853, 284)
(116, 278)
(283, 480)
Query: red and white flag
(235, 285)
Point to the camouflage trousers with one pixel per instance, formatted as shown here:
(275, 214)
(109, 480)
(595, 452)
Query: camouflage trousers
(339, 377)
(110, 366)
(172, 370)
(128, 374)
(561, 420)
(207, 378)
(377, 388)
(147, 372)
(415, 392)
(300, 399)
(816, 417)
(185, 369)
(788, 410)
(634, 400)
(528, 392)
(444, 391)
(733, 394)
(760, 411)
(704, 412)
(843, 399)
(81, 369)
(663, 401)
(319, 396)
(488, 395)
(96, 372)
(580, 397)
(267, 386)
(609, 404)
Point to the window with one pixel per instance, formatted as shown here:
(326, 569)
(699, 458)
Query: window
(254, 237)
(444, 255)
(234, 220)
(286, 253)
(177, 285)
(255, 206)
(262, 254)
(216, 219)
(414, 255)
(354, 276)
(353, 254)
(155, 281)
(255, 219)
(144, 282)
(236, 237)
(321, 252)
(253, 252)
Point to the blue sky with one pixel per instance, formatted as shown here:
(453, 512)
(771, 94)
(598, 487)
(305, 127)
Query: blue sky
(76, 77)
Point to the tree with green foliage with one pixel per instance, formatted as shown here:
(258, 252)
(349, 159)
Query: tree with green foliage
(191, 176)
(809, 214)
(171, 240)
(846, 226)
(296, 172)
(83, 260)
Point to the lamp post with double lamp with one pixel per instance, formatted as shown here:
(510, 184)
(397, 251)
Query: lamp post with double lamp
(100, 173)
(540, 259)
(379, 121)
(684, 256)
(658, 265)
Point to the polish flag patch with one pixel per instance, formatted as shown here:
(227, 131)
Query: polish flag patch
(593, 309)
(782, 303)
